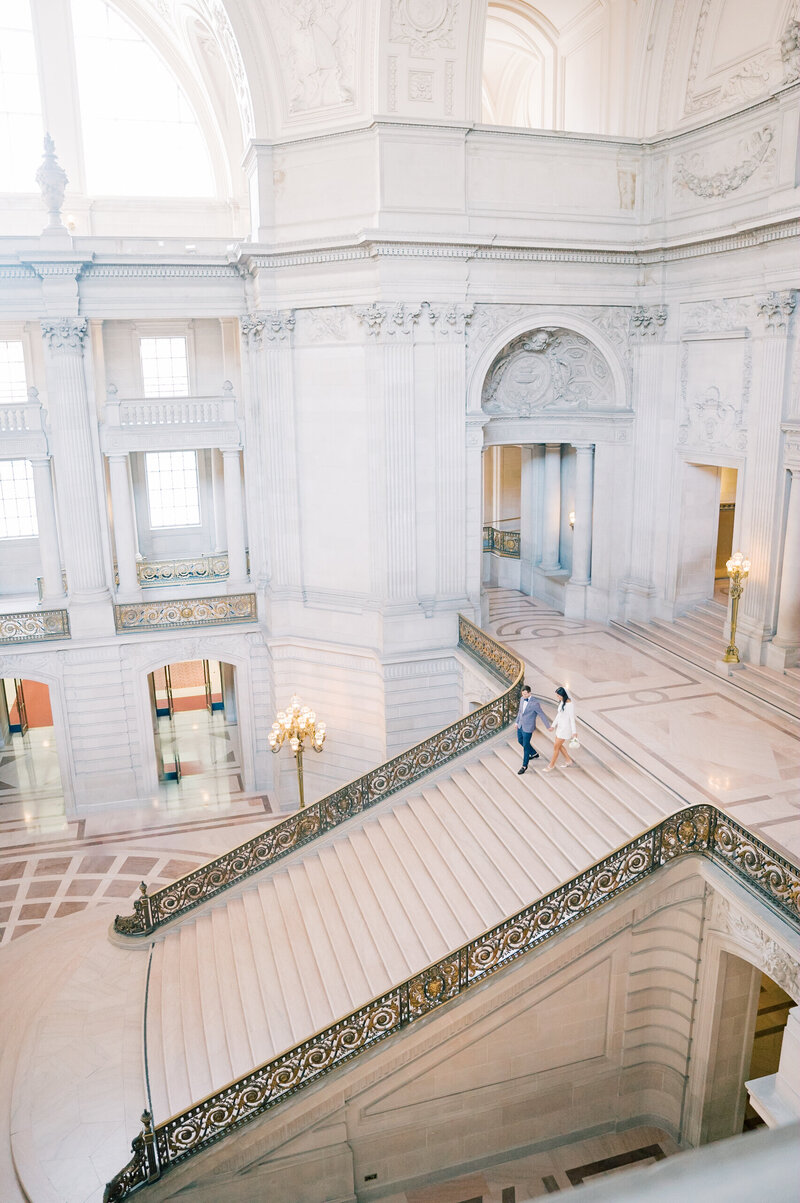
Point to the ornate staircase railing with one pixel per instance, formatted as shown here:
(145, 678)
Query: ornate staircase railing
(696, 830)
(210, 879)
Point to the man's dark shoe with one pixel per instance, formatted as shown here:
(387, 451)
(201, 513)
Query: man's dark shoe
(524, 769)
(534, 755)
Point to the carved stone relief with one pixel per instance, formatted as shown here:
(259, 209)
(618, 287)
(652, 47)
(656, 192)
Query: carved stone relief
(424, 25)
(790, 53)
(548, 369)
(715, 392)
(776, 308)
(66, 333)
(218, 21)
(389, 320)
(316, 43)
(766, 952)
(489, 320)
(753, 152)
(729, 313)
(267, 325)
(648, 321)
(744, 80)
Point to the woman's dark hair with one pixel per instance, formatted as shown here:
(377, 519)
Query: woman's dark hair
(562, 693)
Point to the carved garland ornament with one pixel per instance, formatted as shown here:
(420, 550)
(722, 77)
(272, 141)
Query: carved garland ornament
(757, 150)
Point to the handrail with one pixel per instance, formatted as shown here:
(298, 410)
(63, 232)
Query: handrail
(699, 830)
(234, 866)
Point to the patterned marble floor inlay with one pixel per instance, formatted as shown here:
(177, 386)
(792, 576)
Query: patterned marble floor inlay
(701, 736)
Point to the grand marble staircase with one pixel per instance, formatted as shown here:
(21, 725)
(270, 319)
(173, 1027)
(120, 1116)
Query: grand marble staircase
(376, 901)
(700, 636)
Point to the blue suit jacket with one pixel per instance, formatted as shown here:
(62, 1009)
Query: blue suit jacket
(527, 721)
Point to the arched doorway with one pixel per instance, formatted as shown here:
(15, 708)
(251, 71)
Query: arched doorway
(29, 770)
(555, 419)
(194, 714)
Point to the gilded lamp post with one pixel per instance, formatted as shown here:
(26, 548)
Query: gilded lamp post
(738, 567)
(295, 725)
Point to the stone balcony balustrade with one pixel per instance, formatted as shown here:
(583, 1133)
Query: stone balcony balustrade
(149, 423)
(22, 428)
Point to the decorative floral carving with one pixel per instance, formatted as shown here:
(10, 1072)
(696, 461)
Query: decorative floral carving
(316, 40)
(757, 150)
(271, 324)
(389, 319)
(776, 308)
(52, 180)
(790, 52)
(450, 319)
(731, 313)
(547, 369)
(420, 85)
(425, 25)
(771, 958)
(65, 333)
(648, 320)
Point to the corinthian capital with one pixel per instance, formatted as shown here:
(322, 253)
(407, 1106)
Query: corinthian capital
(65, 333)
(648, 321)
(274, 325)
(389, 319)
(450, 319)
(776, 308)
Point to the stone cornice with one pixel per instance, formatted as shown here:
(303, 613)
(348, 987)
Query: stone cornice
(370, 247)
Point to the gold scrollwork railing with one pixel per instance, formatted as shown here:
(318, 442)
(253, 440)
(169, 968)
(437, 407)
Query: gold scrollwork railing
(501, 542)
(152, 910)
(699, 830)
(29, 626)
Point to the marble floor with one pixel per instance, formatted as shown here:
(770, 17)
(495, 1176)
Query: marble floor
(699, 734)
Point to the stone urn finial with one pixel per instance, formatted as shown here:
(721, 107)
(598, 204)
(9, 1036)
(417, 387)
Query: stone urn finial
(52, 180)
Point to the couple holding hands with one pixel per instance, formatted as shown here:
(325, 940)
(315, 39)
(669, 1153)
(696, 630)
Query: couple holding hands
(563, 724)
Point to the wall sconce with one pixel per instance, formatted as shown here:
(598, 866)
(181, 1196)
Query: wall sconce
(572, 519)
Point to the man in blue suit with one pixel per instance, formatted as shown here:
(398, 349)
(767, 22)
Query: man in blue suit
(529, 711)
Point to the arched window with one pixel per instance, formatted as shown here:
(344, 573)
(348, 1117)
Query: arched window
(20, 103)
(140, 136)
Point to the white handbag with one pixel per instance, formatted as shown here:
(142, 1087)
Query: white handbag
(574, 744)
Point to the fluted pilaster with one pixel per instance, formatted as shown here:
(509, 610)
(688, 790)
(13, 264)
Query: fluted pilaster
(71, 420)
(450, 324)
(271, 450)
(647, 328)
(759, 539)
(390, 365)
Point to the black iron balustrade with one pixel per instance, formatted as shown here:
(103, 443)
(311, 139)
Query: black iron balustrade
(210, 879)
(697, 830)
(502, 542)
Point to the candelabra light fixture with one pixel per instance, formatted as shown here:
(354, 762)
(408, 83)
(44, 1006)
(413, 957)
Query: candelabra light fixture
(572, 519)
(738, 567)
(297, 725)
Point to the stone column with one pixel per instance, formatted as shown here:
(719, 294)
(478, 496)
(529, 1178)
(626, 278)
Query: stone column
(647, 334)
(760, 535)
(234, 518)
(72, 419)
(551, 517)
(474, 516)
(270, 450)
(124, 523)
(584, 507)
(52, 582)
(782, 652)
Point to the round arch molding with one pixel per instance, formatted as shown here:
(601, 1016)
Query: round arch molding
(31, 668)
(544, 320)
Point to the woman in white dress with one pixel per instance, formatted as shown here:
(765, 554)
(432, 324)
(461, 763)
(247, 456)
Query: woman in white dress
(564, 727)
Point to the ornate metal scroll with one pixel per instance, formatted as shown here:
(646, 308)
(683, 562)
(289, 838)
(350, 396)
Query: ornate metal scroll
(188, 612)
(31, 626)
(192, 571)
(292, 833)
(697, 830)
(501, 542)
